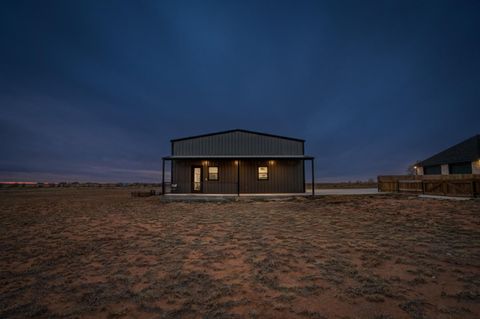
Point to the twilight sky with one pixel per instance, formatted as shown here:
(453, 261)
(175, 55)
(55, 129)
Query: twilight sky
(95, 90)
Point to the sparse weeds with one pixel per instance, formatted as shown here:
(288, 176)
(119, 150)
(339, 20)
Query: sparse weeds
(100, 253)
(414, 308)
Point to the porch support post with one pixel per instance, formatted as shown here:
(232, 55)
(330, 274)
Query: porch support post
(303, 168)
(238, 177)
(163, 176)
(313, 177)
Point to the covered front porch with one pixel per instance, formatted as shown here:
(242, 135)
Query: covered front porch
(236, 175)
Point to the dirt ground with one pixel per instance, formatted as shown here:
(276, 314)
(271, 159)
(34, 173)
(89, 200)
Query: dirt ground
(98, 253)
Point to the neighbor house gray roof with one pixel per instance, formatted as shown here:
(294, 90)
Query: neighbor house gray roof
(466, 151)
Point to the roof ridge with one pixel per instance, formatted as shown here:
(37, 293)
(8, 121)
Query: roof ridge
(237, 130)
(464, 151)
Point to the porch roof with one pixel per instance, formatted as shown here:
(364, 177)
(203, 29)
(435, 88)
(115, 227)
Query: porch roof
(237, 157)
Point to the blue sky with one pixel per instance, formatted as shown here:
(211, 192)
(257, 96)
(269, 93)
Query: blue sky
(95, 90)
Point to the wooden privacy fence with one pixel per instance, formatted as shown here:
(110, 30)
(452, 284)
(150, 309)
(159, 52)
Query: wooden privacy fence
(466, 185)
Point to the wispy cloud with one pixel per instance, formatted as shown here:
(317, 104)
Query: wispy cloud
(86, 95)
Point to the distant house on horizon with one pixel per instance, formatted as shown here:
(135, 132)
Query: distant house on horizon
(237, 162)
(462, 158)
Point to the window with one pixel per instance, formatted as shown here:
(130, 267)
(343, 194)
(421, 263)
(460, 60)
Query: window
(262, 172)
(213, 173)
(460, 168)
(432, 170)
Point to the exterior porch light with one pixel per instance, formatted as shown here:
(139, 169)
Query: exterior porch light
(271, 162)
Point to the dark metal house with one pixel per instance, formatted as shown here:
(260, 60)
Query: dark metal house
(462, 158)
(237, 162)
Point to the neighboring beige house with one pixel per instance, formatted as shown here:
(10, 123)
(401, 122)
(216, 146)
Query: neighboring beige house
(463, 158)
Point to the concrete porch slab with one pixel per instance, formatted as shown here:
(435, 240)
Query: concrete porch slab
(346, 191)
(230, 197)
(267, 196)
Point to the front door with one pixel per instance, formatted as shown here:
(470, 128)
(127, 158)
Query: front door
(196, 179)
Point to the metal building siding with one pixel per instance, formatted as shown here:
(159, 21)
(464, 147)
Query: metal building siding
(181, 175)
(227, 183)
(237, 143)
(285, 176)
(227, 179)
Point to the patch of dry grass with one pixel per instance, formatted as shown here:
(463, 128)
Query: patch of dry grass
(100, 253)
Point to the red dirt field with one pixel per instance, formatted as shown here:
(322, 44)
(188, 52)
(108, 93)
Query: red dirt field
(98, 253)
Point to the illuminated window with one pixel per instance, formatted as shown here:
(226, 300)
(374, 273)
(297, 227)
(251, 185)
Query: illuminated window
(213, 173)
(262, 172)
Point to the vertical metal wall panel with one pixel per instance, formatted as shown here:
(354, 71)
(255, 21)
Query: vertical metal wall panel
(285, 176)
(227, 182)
(237, 143)
(182, 175)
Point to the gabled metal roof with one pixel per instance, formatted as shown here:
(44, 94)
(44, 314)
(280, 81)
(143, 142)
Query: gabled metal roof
(237, 130)
(466, 151)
